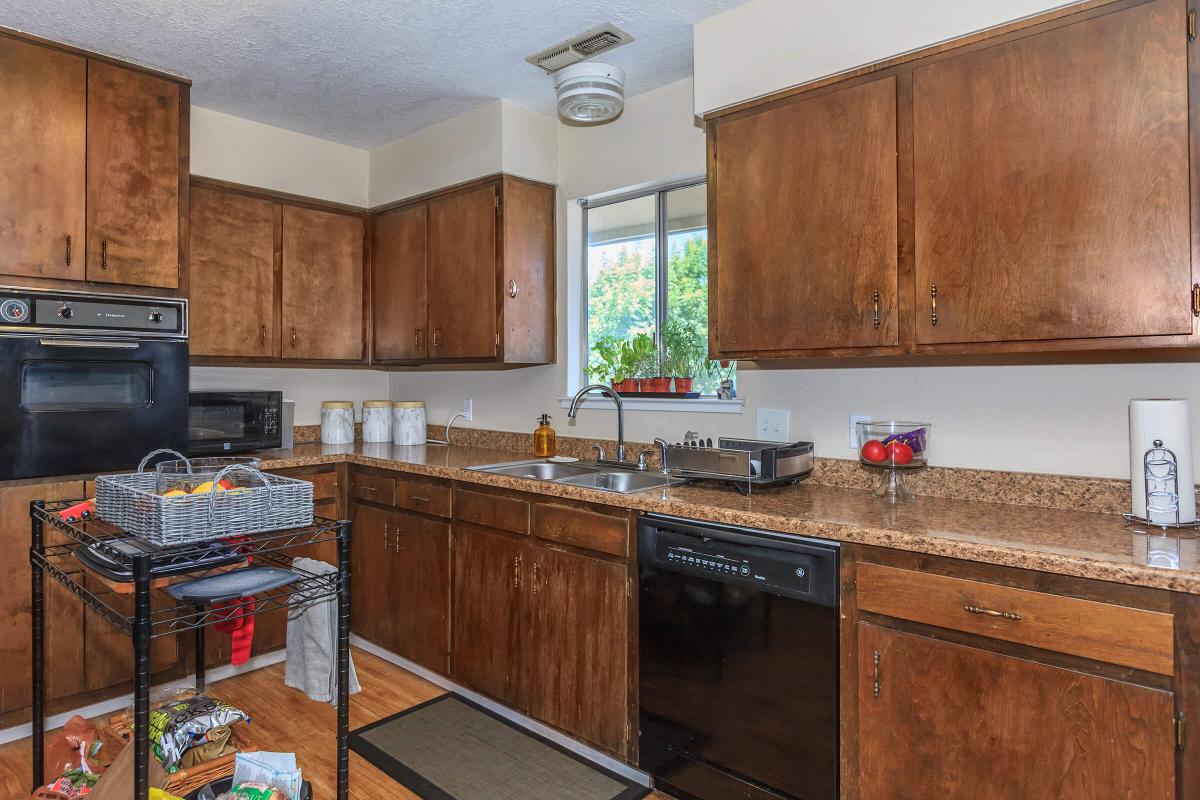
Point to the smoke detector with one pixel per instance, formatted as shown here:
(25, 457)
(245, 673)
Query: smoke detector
(588, 44)
(590, 93)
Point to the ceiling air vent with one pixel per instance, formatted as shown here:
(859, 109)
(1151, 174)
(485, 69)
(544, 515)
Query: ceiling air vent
(579, 48)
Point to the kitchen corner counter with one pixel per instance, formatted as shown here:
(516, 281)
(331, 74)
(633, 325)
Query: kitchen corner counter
(1082, 544)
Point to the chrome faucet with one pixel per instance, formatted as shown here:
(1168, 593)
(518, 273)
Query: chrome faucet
(616, 398)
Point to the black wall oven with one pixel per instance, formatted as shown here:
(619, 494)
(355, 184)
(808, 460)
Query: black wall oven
(234, 422)
(88, 382)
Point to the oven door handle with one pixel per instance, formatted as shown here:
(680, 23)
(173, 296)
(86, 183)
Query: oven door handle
(92, 343)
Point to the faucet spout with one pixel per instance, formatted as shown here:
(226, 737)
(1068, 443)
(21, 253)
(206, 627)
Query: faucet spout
(609, 392)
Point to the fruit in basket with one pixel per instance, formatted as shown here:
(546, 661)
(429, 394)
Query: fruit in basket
(899, 453)
(874, 451)
(175, 493)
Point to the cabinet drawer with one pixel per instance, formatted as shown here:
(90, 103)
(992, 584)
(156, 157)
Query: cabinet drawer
(575, 526)
(325, 485)
(423, 496)
(1130, 637)
(373, 488)
(492, 511)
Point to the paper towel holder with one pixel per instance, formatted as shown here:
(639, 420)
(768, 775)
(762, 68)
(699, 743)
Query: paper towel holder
(1162, 488)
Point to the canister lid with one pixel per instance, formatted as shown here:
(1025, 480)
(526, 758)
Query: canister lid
(337, 404)
(408, 404)
(377, 403)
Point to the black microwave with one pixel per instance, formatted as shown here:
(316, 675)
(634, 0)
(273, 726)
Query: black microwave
(234, 422)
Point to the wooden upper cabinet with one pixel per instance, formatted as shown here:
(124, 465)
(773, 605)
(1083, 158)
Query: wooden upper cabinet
(1052, 186)
(42, 123)
(805, 240)
(399, 253)
(527, 283)
(232, 280)
(463, 314)
(133, 177)
(945, 720)
(322, 285)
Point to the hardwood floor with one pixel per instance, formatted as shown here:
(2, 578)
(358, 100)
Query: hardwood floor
(287, 721)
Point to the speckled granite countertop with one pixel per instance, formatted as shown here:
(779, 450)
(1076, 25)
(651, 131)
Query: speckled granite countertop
(1084, 544)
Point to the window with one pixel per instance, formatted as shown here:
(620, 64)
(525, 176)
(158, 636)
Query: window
(647, 289)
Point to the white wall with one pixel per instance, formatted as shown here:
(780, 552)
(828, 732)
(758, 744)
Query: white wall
(236, 149)
(767, 45)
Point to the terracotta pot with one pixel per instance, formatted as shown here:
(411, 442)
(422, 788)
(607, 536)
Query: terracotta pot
(656, 384)
(683, 385)
(625, 386)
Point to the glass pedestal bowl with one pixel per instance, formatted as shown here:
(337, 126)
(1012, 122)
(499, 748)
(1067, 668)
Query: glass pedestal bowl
(893, 448)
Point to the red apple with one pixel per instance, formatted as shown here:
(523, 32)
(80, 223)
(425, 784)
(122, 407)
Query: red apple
(874, 451)
(899, 452)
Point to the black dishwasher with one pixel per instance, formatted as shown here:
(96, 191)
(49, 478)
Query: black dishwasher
(738, 662)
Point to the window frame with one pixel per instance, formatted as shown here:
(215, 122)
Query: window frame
(661, 256)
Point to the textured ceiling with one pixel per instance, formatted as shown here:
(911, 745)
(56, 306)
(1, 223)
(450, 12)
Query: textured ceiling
(365, 72)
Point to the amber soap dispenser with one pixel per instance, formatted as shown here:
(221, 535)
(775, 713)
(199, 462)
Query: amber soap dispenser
(544, 444)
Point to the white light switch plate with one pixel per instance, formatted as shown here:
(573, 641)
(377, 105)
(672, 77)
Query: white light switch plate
(854, 420)
(773, 424)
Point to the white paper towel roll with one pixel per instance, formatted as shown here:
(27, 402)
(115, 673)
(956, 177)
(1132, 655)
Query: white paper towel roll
(1168, 421)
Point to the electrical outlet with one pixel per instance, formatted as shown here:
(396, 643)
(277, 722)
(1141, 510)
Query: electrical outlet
(468, 409)
(773, 424)
(855, 444)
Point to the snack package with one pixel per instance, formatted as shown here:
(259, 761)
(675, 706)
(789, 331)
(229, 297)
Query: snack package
(253, 791)
(176, 727)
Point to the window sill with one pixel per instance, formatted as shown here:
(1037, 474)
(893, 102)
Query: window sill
(708, 405)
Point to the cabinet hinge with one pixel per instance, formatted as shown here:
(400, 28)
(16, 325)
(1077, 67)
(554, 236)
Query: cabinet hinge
(1196, 299)
(1180, 741)
(875, 685)
(1191, 24)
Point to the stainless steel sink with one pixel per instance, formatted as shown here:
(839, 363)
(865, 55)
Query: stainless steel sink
(622, 481)
(585, 474)
(537, 470)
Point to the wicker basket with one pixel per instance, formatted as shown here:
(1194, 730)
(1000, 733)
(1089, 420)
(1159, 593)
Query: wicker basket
(131, 502)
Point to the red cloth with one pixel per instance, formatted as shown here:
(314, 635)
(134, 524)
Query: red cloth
(237, 619)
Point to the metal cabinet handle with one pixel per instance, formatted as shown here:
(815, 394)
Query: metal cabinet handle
(876, 682)
(875, 300)
(396, 541)
(987, 612)
(68, 249)
(933, 317)
(368, 488)
(513, 291)
(437, 337)
(516, 572)
(262, 334)
(419, 339)
(104, 254)
(385, 536)
(535, 577)
(420, 499)
(293, 338)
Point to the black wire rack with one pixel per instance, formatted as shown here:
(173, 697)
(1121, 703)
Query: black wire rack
(131, 611)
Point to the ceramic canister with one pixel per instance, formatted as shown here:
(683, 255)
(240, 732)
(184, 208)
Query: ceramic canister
(337, 422)
(377, 421)
(408, 422)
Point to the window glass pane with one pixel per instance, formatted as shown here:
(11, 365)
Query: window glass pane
(621, 270)
(70, 385)
(687, 287)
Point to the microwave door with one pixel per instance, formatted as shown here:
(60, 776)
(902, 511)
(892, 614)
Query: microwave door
(71, 406)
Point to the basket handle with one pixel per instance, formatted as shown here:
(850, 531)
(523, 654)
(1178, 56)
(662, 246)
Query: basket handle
(160, 452)
(256, 473)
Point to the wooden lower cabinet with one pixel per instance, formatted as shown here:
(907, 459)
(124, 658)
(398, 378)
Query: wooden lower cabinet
(945, 720)
(545, 630)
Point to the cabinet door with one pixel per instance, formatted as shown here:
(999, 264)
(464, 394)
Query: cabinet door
(132, 177)
(398, 275)
(420, 582)
(573, 667)
(806, 223)
(232, 279)
(1052, 184)
(488, 571)
(961, 723)
(370, 612)
(322, 285)
(108, 657)
(64, 644)
(462, 274)
(42, 119)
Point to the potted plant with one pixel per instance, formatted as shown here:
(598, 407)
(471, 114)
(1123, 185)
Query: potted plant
(648, 365)
(681, 356)
(626, 372)
(606, 361)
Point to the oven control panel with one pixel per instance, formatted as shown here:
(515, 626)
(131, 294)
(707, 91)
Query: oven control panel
(55, 312)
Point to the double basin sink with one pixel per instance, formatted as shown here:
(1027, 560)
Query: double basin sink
(589, 475)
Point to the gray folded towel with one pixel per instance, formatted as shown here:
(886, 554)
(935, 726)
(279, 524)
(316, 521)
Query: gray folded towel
(312, 641)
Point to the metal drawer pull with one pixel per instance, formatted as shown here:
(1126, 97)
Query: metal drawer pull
(368, 488)
(104, 254)
(535, 577)
(385, 536)
(419, 340)
(420, 499)
(293, 338)
(875, 299)
(933, 317)
(68, 249)
(987, 612)
(875, 685)
(263, 334)
(513, 291)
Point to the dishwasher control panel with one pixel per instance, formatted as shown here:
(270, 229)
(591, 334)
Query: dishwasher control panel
(791, 571)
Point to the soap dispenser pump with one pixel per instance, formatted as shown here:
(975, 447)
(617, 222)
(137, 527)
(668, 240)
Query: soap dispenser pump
(544, 444)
